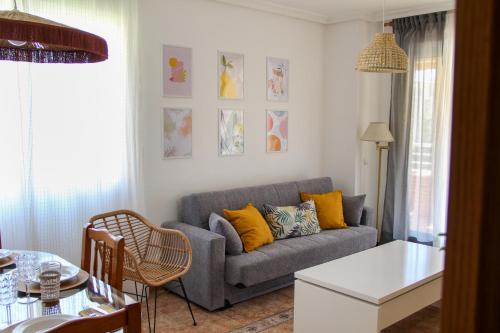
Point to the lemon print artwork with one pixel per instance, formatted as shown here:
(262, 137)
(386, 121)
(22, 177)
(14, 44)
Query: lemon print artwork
(230, 76)
(177, 71)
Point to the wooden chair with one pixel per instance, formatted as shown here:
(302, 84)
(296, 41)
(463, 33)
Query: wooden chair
(154, 256)
(100, 324)
(102, 255)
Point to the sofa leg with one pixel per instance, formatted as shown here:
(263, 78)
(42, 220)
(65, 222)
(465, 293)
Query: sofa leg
(187, 301)
(226, 306)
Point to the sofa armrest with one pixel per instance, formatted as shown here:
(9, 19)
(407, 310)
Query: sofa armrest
(204, 281)
(368, 217)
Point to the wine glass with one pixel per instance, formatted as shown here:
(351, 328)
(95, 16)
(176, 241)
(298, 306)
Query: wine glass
(8, 291)
(27, 266)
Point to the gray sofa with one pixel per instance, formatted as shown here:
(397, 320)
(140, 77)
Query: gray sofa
(216, 280)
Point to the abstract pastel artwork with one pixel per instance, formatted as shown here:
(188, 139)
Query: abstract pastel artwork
(177, 133)
(230, 75)
(277, 131)
(231, 132)
(277, 79)
(177, 71)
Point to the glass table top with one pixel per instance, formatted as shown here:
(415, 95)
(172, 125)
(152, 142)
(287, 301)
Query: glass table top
(94, 295)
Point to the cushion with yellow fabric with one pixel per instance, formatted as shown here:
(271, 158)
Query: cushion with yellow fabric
(250, 226)
(329, 209)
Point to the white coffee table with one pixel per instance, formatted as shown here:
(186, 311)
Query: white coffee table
(368, 291)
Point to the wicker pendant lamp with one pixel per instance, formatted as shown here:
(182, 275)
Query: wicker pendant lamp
(30, 38)
(383, 55)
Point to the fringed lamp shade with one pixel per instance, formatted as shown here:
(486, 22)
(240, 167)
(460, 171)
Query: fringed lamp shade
(383, 55)
(30, 38)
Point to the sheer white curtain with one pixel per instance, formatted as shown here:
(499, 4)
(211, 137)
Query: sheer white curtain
(429, 150)
(442, 132)
(68, 136)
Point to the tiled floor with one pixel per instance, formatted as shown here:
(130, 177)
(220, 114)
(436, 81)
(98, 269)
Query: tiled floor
(173, 316)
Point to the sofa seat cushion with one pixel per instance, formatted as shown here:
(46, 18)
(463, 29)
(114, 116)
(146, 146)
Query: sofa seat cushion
(287, 256)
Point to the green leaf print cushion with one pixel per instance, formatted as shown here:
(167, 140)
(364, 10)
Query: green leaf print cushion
(292, 221)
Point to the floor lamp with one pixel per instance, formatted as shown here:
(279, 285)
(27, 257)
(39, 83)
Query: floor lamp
(380, 134)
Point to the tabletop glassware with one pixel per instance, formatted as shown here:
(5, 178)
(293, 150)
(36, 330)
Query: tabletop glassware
(50, 281)
(8, 291)
(49, 309)
(27, 268)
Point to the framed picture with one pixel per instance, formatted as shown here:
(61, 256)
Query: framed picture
(277, 79)
(277, 131)
(230, 78)
(231, 132)
(177, 71)
(177, 133)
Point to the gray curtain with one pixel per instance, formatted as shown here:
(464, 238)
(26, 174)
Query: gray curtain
(422, 38)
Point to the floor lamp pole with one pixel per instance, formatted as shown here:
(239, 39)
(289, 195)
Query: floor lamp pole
(379, 133)
(379, 227)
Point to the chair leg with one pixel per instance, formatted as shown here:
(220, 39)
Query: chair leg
(136, 293)
(142, 293)
(144, 288)
(154, 318)
(187, 301)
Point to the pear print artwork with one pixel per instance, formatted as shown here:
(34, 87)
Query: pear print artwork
(231, 75)
(227, 84)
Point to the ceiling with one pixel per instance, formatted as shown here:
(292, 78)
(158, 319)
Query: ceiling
(333, 11)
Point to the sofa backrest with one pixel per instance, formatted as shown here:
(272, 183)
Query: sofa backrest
(196, 208)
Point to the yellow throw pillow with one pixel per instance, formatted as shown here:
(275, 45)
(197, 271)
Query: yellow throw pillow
(251, 226)
(328, 208)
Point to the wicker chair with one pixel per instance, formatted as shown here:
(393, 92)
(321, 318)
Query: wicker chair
(154, 256)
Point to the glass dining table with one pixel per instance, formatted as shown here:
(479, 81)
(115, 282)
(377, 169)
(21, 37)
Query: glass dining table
(92, 296)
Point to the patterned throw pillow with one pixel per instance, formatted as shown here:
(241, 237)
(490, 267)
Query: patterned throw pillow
(287, 222)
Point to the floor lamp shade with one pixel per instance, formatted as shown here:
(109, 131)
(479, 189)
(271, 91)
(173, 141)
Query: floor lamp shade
(377, 132)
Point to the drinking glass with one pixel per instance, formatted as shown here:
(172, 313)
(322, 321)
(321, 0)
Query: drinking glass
(50, 280)
(8, 291)
(26, 264)
(49, 309)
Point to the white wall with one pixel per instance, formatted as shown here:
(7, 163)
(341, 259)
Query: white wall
(207, 27)
(352, 101)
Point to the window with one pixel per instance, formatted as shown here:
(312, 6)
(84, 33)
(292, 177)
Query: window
(421, 151)
(66, 133)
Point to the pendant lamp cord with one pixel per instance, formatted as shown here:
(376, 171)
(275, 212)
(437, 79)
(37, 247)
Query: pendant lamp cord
(383, 15)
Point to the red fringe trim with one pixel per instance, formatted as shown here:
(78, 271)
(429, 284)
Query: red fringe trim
(83, 47)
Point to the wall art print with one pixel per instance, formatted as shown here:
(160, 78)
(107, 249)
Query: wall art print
(230, 75)
(277, 79)
(231, 132)
(277, 131)
(177, 71)
(177, 133)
